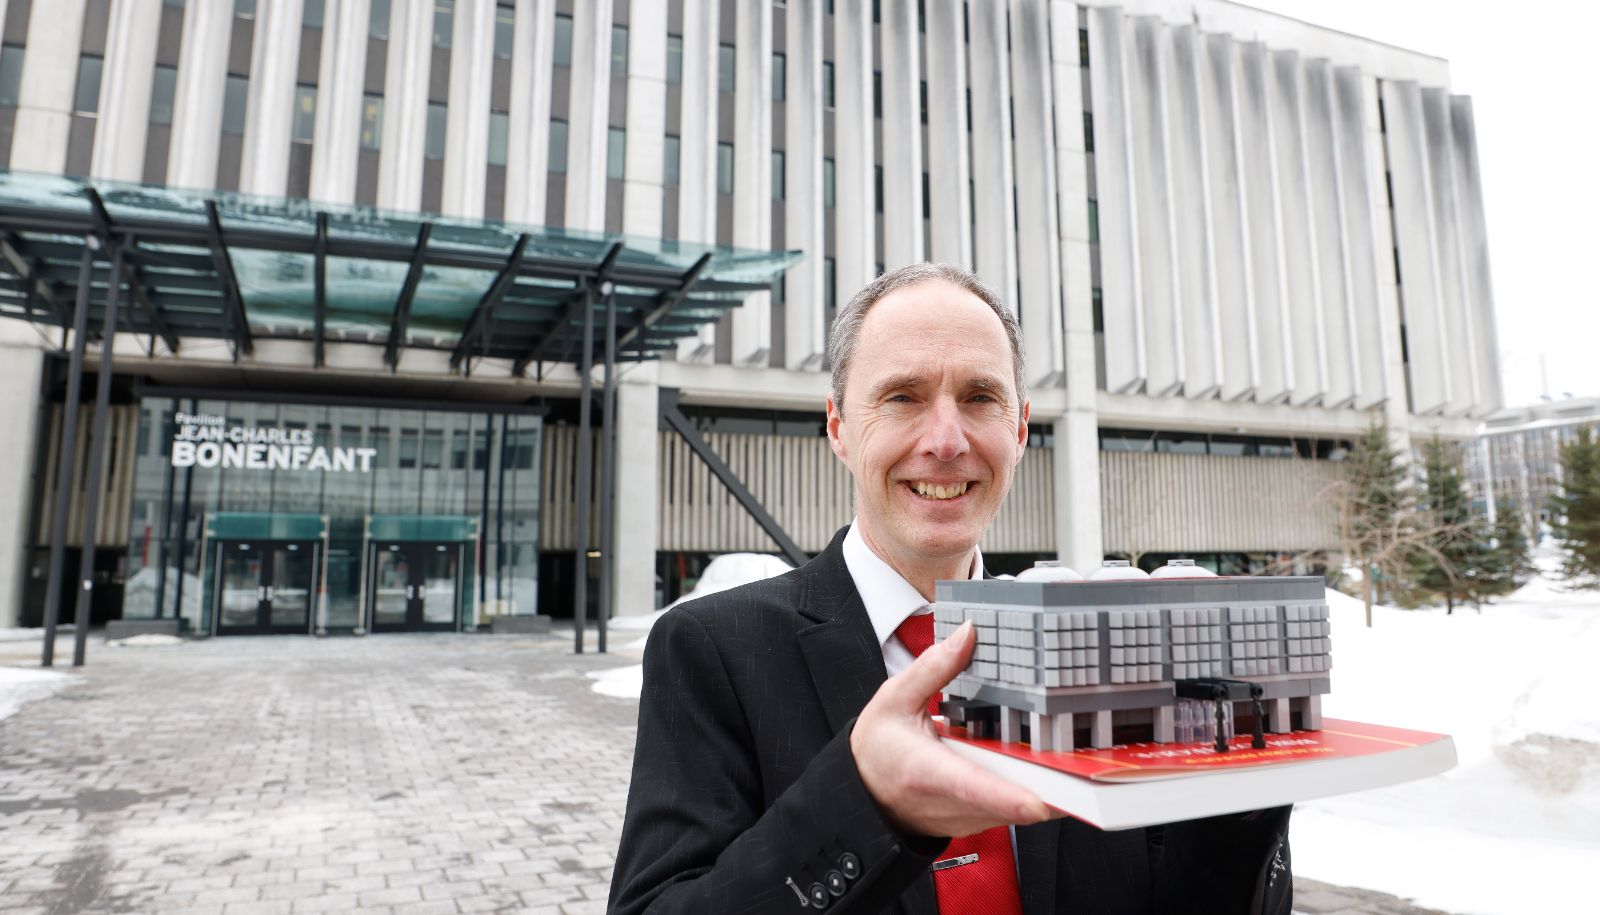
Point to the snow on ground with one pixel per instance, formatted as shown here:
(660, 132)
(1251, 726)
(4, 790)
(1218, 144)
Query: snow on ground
(1515, 827)
(19, 685)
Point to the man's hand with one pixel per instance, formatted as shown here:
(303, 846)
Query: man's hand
(921, 786)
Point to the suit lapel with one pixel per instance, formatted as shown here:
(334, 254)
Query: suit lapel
(845, 659)
(1037, 866)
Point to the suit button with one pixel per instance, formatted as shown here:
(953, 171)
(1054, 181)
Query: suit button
(850, 866)
(819, 896)
(835, 882)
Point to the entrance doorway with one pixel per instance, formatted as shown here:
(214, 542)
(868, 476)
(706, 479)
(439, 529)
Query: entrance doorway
(266, 586)
(415, 586)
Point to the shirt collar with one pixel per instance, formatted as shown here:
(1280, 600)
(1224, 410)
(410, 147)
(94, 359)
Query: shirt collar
(889, 598)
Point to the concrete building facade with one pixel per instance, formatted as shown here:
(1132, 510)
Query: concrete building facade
(1234, 240)
(1516, 461)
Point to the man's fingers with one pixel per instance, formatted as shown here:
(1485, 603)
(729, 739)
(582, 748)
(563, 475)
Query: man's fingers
(984, 795)
(909, 691)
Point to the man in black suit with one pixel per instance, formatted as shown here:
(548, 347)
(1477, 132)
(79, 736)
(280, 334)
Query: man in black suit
(779, 764)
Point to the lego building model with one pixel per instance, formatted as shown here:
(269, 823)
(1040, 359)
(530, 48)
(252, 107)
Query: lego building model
(1175, 657)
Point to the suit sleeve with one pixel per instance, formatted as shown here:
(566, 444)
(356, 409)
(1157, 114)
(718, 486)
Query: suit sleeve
(697, 836)
(1234, 863)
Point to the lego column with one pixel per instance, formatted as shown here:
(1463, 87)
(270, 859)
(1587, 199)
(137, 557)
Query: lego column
(21, 361)
(633, 573)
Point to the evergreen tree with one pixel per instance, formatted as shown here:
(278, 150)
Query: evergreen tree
(1510, 564)
(1454, 559)
(1373, 506)
(1577, 510)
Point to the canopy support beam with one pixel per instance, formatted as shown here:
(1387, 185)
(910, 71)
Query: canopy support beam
(408, 293)
(478, 324)
(243, 343)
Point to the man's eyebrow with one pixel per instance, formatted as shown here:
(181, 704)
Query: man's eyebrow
(897, 382)
(991, 383)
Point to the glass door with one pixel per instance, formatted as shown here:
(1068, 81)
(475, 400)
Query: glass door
(415, 586)
(265, 587)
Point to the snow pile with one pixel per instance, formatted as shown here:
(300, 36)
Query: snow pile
(726, 571)
(147, 640)
(19, 685)
(1516, 826)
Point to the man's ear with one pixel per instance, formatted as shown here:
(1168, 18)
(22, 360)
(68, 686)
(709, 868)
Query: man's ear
(1022, 431)
(835, 440)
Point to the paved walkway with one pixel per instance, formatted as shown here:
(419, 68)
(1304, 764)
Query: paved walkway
(405, 774)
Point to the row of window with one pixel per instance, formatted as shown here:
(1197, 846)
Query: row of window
(1228, 445)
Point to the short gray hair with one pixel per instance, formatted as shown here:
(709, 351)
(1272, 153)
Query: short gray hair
(847, 323)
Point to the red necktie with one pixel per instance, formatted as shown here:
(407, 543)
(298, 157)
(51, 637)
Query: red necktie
(987, 886)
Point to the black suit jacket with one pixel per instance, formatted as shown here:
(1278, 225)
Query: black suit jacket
(744, 787)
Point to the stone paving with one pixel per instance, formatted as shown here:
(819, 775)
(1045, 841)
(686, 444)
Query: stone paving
(396, 773)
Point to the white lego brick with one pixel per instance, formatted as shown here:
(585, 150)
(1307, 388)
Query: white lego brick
(987, 670)
(1118, 675)
(985, 653)
(1118, 655)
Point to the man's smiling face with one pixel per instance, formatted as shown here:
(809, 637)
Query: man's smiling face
(931, 427)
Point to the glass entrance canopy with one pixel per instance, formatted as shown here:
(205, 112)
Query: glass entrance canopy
(242, 268)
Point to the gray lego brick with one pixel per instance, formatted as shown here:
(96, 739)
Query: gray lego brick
(1140, 592)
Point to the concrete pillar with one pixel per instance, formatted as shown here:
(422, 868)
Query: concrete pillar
(197, 101)
(339, 90)
(901, 71)
(1100, 732)
(1037, 240)
(855, 257)
(466, 142)
(49, 79)
(1010, 724)
(405, 104)
(1075, 462)
(949, 163)
(528, 140)
(21, 361)
(995, 238)
(587, 110)
(1278, 711)
(752, 170)
(642, 185)
(697, 149)
(119, 138)
(805, 326)
(269, 109)
(638, 482)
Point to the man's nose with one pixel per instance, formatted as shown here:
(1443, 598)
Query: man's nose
(943, 437)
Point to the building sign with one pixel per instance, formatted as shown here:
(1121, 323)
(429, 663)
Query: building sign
(205, 440)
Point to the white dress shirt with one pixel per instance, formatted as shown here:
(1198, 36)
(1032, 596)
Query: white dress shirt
(889, 598)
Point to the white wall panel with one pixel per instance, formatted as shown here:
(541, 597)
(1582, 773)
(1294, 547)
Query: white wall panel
(1193, 245)
(901, 68)
(269, 106)
(1263, 221)
(1230, 237)
(854, 218)
(697, 149)
(752, 170)
(588, 111)
(995, 235)
(804, 316)
(1156, 231)
(949, 150)
(197, 99)
(1455, 311)
(1324, 185)
(342, 70)
(1038, 233)
(1362, 254)
(1474, 241)
(643, 190)
(1428, 357)
(129, 71)
(1121, 292)
(405, 104)
(1297, 243)
(528, 122)
(45, 95)
(466, 139)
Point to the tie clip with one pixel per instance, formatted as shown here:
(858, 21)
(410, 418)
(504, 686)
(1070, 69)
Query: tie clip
(954, 862)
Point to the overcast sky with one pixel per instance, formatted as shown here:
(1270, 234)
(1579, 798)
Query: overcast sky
(1532, 68)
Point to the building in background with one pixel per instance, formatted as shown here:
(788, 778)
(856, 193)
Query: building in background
(1516, 460)
(1234, 240)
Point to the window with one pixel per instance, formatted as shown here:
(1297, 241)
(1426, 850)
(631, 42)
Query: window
(829, 301)
(311, 14)
(616, 152)
(563, 40)
(558, 146)
(87, 99)
(923, 99)
(777, 174)
(499, 136)
(675, 59)
(778, 64)
(244, 9)
(669, 162)
(305, 114)
(505, 31)
(877, 187)
(1094, 221)
(725, 82)
(724, 168)
(877, 94)
(1083, 47)
(619, 50)
(827, 183)
(233, 101)
(827, 84)
(433, 141)
(443, 20)
(1088, 131)
(162, 90)
(10, 73)
(371, 121)
(927, 212)
(378, 20)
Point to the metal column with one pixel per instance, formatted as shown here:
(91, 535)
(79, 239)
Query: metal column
(97, 448)
(608, 413)
(585, 472)
(67, 456)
